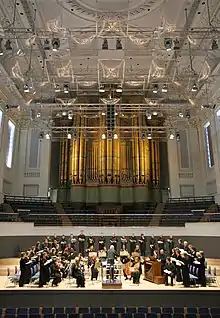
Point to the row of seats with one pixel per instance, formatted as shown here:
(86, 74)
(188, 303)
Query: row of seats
(103, 312)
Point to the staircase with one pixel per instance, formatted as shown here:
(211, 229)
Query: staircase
(63, 216)
(155, 220)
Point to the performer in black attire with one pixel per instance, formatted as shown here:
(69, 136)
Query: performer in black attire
(152, 244)
(91, 241)
(142, 244)
(201, 260)
(101, 243)
(169, 271)
(81, 239)
(114, 241)
(23, 261)
(178, 257)
(124, 241)
(180, 244)
(43, 270)
(72, 241)
(160, 242)
(56, 274)
(63, 243)
(133, 242)
(185, 270)
(170, 244)
(162, 258)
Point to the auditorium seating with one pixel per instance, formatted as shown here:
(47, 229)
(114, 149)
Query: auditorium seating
(112, 312)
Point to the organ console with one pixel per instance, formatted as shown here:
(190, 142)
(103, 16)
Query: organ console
(152, 271)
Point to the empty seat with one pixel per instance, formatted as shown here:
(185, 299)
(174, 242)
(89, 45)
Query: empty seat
(34, 316)
(126, 315)
(34, 311)
(87, 315)
(119, 310)
(131, 310)
(11, 311)
(142, 310)
(178, 310)
(167, 310)
(139, 315)
(215, 310)
(94, 310)
(151, 315)
(58, 310)
(22, 311)
(70, 310)
(107, 310)
(83, 310)
(203, 311)
(166, 315)
(48, 316)
(191, 310)
(47, 311)
(62, 315)
(100, 315)
(112, 315)
(156, 310)
(191, 315)
(178, 315)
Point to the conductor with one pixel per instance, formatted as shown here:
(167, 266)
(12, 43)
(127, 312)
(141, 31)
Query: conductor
(111, 256)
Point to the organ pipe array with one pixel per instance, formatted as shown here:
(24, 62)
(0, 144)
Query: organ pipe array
(125, 160)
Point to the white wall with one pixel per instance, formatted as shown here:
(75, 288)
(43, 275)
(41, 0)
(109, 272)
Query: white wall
(190, 229)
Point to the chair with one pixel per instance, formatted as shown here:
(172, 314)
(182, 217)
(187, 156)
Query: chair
(61, 315)
(167, 310)
(119, 310)
(191, 316)
(191, 310)
(110, 315)
(126, 315)
(22, 311)
(58, 310)
(34, 311)
(151, 315)
(166, 315)
(139, 315)
(107, 310)
(100, 315)
(131, 310)
(47, 311)
(215, 311)
(48, 316)
(203, 311)
(11, 311)
(95, 310)
(179, 310)
(35, 316)
(70, 310)
(83, 310)
(143, 310)
(88, 315)
(178, 315)
(155, 310)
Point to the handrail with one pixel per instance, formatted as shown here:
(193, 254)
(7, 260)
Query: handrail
(26, 199)
(108, 215)
(192, 199)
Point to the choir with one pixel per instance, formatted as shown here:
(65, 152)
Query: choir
(72, 255)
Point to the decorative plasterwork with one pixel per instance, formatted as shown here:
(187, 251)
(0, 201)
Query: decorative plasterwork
(92, 13)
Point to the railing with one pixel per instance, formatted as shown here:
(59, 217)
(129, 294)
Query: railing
(16, 198)
(192, 199)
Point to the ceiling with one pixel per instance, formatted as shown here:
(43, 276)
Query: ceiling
(144, 28)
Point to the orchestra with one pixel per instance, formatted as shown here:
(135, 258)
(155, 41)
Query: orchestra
(61, 257)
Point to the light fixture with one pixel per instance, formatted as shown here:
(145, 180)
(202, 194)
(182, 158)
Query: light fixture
(69, 136)
(8, 46)
(214, 45)
(70, 115)
(102, 89)
(176, 45)
(55, 44)
(155, 89)
(194, 88)
(181, 115)
(172, 136)
(66, 89)
(57, 88)
(155, 113)
(103, 114)
(103, 136)
(149, 116)
(38, 115)
(116, 114)
(1, 49)
(119, 89)
(168, 44)
(26, 88)
(164, 88)
(177, 137)
(47, 136)
(188, 115)
(149, 136)
(41, 135)
(64, 113)
(115, 136)
(46, 44)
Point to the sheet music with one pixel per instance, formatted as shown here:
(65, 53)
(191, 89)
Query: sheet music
(167, 271)
(197, 262)
(48, 262)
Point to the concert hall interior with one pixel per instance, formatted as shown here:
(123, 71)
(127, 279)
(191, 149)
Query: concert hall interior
(109, 158)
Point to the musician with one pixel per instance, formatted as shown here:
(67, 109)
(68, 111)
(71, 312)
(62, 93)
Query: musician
(124, 241)
(78, 273)
(114, 241)
(152, 245)
(81, 239)
(169, 271)
(56, 274)
(137, 251)
(162, 258)
(63, 243)
(132, 241)
(186, 246)
(170, 244)
(160, 243)
(178, 257)
(101, 242)
(94, 267)
(201, 259)
(180, 244)
(185, 270)
(142, 244)
(55, 238)
(43, 271)
(23, 261)
(111, 256)
(72, 242)
(37, 247)
(136, 270)
(90, 241)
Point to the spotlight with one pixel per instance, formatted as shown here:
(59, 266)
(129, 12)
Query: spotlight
(47, 136)
(38, 115)
(8, 46)
(214, 45)
(149, 136)
(176, 45)
(70, 115)
(168, 44)
(181, 115)
(155, 113)
(171, 136)
(46, 44)
(149, 116)
(194, 88)
(119, 89)
(1, 49)
(66, 89)
(155, 89)
(64, 113)
(57, 88)
(55, 44)
(116, 114)
(26, 88)
(103, 114)
(105, 44)
(115, 136)
(69, 136)
(103, 136)
(164, 89)
(102, 89)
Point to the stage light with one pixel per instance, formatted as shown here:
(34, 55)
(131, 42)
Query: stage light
(57, 88)
(70, 115)
(103, 136)
(102, 89)
(69, 136)
(103, 114)
(55, 44)
(149, 136)
(172, 136)
(181, 115)
(119, 89)
(149, 116)
(64, 113)
(26, 88)
(155, 113)
(47, 136)
(8, 46)
(115, 136)
(116, 114)
(38, 115)
(194, 88)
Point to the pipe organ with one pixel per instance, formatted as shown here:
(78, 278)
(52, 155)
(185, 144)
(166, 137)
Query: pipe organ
(110, 157)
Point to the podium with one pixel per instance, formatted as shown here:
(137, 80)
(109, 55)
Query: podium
(111, 275)
(152, 272)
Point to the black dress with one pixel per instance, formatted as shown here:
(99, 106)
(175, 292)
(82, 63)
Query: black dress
(133, 242)
(22, 269)
(142, 244)
(101, 243)
(81, 239)
(185, 272)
